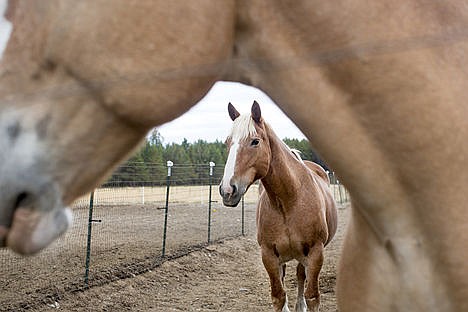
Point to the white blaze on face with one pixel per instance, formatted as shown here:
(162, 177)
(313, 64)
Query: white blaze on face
(242, 128)
(230, 167)
(5, 27)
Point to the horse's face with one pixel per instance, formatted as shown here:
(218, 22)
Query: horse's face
(42, 148)
(249, 155)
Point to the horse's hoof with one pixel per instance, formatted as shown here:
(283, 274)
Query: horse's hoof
(301, 305)
(313, 304)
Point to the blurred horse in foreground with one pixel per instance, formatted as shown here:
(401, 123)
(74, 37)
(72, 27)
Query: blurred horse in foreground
(379, 88)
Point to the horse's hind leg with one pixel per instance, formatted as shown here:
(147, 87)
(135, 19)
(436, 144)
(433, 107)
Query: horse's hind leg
(275, 271)
(313, 267)
(301, 305)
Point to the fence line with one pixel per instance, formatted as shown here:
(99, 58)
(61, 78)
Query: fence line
(115, 234)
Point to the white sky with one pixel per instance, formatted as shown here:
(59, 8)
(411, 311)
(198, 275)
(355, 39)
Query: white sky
(5, 27)
(209, 119)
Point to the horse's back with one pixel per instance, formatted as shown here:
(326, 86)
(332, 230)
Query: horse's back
(318, 170)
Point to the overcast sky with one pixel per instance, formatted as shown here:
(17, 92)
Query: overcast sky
(209, 119)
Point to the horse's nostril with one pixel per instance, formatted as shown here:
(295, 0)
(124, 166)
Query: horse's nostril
(22, 199)
(234, 189)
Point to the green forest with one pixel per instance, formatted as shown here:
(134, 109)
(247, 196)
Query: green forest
(191, 162)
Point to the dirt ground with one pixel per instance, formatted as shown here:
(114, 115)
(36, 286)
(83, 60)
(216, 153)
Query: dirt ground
(226, 276)
(128, 273)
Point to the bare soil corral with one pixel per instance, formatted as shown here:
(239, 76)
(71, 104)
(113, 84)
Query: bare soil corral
(127, 272)
(226, 276)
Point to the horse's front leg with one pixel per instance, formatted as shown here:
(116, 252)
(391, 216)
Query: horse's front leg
(301, 305)
(275, 271)
(313, 266)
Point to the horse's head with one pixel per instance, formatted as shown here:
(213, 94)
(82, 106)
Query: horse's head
(249, 154)
(78, 94)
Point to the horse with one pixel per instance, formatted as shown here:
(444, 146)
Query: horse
(379, 88)
(296, 213)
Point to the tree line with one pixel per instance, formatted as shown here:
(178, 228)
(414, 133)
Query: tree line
(191, 162)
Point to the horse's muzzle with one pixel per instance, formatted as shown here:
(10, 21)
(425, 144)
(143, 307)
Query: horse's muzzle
(231, 196)
(31, 215)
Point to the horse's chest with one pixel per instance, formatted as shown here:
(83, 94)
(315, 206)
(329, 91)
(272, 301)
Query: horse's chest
(287, 235)
(277, 222)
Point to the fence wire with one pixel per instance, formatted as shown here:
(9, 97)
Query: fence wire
(127, 235)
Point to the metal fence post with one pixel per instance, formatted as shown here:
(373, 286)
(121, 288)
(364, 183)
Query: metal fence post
(340, 192)
(88, 244)
(334, 182)
(168, 183)
(243, 222)
(212, 164)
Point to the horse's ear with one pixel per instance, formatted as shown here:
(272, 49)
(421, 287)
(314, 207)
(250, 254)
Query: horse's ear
(233, 113)
(256, 112)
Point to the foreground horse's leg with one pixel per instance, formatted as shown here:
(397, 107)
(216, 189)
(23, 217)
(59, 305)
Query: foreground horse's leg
(313, 267)
(301, 305)
(275, 271)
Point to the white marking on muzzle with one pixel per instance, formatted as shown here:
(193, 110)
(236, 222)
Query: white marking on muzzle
(229, 168)
(49, 228)
(5, 27)
(32, 231)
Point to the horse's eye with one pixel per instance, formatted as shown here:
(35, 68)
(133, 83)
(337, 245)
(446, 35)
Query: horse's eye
(255, 142)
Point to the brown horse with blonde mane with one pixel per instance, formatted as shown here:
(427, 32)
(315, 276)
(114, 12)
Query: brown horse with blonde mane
(296, 213)
(379, 87)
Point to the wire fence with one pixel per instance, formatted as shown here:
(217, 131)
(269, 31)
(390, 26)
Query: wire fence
(121, 230)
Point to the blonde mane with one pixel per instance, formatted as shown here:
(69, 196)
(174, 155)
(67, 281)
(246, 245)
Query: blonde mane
(243, 127)
(296, 153)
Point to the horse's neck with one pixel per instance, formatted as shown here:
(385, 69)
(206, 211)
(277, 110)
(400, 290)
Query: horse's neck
(282, 181)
